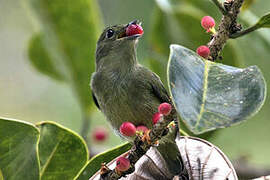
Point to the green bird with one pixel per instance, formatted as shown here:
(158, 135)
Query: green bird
(124, 90)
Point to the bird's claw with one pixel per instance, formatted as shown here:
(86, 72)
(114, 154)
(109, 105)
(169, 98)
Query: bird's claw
(147, 138)
(104, 169)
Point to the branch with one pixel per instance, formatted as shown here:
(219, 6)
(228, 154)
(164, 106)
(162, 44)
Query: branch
(227, 27)
(220, 6)
(85, 128)
(140, 147)
(244, 32)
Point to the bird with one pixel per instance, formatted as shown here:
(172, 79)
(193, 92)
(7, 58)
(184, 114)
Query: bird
(124, 90)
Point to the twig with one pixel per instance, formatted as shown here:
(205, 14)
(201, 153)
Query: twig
(140, 147)
(85, 128)
(227, 27)
(220, 6)
(244, 32)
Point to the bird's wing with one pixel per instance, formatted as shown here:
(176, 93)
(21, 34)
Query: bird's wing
(95, 100)
(159, 90)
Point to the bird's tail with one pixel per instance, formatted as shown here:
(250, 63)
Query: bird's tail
(170, 152)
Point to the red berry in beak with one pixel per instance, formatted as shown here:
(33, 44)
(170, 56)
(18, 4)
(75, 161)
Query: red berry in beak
(122, 164)
(203, 51)
(128, 129)
(133, 29)
(165, 109)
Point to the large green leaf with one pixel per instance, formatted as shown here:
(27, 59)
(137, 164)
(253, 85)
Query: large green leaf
(210, 95)
(41, 60)
(94, 164)
(18, 150)
(62, 152)
(69, 34)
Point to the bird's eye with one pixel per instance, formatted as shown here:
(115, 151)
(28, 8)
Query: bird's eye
(110, 33)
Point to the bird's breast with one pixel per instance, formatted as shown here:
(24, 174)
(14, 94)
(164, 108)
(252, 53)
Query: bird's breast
(126, 99)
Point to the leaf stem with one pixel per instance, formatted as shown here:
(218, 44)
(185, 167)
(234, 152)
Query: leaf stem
(183, 132)
(220, 7)
(244, 32)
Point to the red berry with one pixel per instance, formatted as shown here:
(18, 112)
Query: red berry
(122, 164)
(156, 117)
(100, 134)
(208, 22)
(203, 51)
(165, 109)
(142, 128)
(128, 129)
(133, 29)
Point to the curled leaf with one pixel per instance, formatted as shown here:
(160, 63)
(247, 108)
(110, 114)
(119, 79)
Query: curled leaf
(201, 159)
(210, 95)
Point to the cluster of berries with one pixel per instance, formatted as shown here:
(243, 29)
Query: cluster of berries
(129, 129)
(208, 23)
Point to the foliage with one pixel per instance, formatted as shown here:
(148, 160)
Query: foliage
(210, 95)
(64, 50)
(43, 151)
(65, 47)
(47, 151)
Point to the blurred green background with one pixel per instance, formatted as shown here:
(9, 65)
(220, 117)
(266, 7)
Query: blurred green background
(29, 95)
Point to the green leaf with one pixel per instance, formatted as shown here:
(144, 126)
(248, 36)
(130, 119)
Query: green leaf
(41, 60)
(62, 152)
(264, 22)
(69, 34)
(18, 150)
(210, 95)
(94, 164)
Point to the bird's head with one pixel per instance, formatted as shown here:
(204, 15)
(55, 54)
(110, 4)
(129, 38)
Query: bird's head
(117, 44)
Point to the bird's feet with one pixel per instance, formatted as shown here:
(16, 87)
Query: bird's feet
(104, 169)
(147, 138)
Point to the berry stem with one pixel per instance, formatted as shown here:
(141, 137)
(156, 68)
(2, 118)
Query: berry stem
(220, 7)
(227, 27)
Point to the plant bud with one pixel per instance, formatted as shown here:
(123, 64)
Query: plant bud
(128, 129)
(142, 128)
(122, 164)
(203, 51)
(156, 117)
(208, 22)
(100, 134)
(165, 109)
